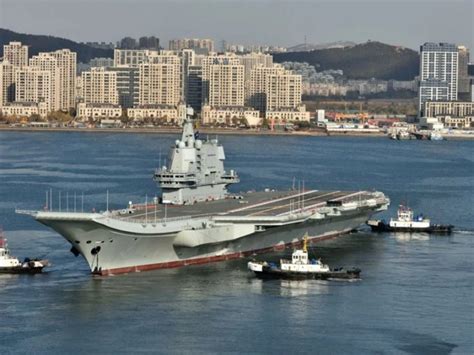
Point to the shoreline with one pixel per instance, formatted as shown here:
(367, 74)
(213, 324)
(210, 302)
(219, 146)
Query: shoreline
(177, 130)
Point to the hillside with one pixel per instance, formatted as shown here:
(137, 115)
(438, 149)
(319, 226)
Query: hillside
(363, 61)
(38, 43)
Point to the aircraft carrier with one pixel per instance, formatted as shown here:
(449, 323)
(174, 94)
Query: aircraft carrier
(196, 219)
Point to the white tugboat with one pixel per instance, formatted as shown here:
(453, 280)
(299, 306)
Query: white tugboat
(406, 222)
(11, 265)
(301, 267)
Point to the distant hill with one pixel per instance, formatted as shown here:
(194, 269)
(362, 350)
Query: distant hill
(362, 61)
(305, 47)
(38, 43)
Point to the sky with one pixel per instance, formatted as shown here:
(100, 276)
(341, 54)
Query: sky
(407, 23)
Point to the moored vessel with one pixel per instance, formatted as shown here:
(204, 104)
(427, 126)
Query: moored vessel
(406, 222)
(197, 220)
(301, 267)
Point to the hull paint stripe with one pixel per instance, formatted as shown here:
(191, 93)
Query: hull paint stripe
(211, 259)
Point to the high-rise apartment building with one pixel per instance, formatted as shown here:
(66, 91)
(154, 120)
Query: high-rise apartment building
(193, 92)
(101, 62)
(438, 66)
(16, 54)
(226, 85)
(187, 59)
(255, 91)
(132, 57)
(159, 84)
(202, 46)
(99, 86)
(207, 62)
(32, 84)
(463, 75)
(127, 85)
(282, 91)
(45, 61)
(7, 82)
(67, 63)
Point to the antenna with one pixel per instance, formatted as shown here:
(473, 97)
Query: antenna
(51, 199)
(303, 195)
(47, 205)
(107, 200)
(146, 208)
(59, 201)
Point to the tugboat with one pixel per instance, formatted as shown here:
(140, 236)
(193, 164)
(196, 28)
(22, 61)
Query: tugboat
(407, 223)
(300, 267)
(11, 265)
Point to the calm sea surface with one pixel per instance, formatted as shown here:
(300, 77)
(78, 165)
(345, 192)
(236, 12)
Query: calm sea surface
(416, 296)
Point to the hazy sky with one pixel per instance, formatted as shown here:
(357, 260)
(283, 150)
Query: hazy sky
(402, 22)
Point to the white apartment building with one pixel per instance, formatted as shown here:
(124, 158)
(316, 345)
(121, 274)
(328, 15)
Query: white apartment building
(228, 114)
(288, 114)
(438, 72)
(211, 60)
(226, 85)
(32, 84)
(16, 54)
(96, 110)
(132, 57)
(172, 114)
(25, 109)
(44, 61)
(255, 94)
(282, 90)
(99, 86)
(159, 84)
(449, 108)
(7, 82)
(67, 63)
(192, 43)
(252, 60)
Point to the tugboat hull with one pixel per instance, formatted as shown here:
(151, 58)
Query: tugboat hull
(264, 270)
(29, 267)
(343, 274)
(380, 226)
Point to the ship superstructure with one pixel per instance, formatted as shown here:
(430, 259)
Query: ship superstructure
(196, 172)
(197, 221)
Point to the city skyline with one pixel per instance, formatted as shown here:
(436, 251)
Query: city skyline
(282, 23)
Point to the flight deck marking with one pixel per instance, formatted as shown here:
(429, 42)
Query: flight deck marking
(323, 203)
(289, 204)
(270, 201)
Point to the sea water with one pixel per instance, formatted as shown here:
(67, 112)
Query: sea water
(416, 294)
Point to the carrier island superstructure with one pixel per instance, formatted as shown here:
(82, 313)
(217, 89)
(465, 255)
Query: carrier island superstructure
(198, 221)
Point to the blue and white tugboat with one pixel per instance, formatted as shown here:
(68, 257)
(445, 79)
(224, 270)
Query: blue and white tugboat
(300, 267)
(406, 222)
(11, 265)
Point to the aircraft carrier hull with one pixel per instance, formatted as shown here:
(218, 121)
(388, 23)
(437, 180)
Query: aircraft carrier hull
(109, 250)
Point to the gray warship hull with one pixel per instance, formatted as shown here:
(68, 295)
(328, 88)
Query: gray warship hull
(115, 243)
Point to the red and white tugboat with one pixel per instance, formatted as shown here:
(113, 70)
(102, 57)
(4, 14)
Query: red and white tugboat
(11, 265)
(300, 267)
(406, 222)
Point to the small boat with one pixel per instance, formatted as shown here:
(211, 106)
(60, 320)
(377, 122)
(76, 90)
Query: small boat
(406, 222)
(300, 267)
(403, 135)
(436, 136)
(12, 265)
